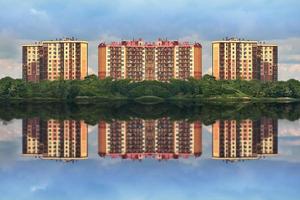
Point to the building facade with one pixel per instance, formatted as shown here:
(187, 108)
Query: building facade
(245, 139)
(160, 139)
(268, 62)
(65, 59)
(243, 59)
(54, 139)
(161, 60)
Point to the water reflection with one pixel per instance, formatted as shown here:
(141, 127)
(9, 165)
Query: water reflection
(55, 139)
(245, 139)
(224, 152)
(161, 139)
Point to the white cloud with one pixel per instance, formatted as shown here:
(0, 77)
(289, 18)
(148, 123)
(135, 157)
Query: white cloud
(195, 37)
(208, 129)
(289, 128)
(106, 37)
(10, 67)
(288, 45)
(92, 71)
(38, 13)
(10, 131)
(92, 129)
(289, 58)
(289, 68)
(10, 54)
(293, 57)
(36, 188)
(208, 71)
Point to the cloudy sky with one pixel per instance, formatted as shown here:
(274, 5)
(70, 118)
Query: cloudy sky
(192, 20)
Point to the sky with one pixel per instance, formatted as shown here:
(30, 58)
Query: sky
(276, 21)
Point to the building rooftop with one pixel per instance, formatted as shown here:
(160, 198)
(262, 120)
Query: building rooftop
(62, 40)
(141, 42)
(234, 40)
(242, 40)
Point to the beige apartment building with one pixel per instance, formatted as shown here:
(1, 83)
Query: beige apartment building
(65, 59)
(244, 59)
(268, 61)
(139, 60)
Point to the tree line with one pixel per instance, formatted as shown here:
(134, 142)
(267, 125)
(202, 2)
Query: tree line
(93, 87)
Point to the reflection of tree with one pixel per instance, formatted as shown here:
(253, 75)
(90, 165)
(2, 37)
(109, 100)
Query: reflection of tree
(207, 113)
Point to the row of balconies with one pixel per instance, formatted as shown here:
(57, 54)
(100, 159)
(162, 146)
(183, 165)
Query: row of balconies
(165, 56)
(130, 73)
(133, 53)
(115, 65)
(134, 63)
(185, 55)
(183, 66)
(164, 67)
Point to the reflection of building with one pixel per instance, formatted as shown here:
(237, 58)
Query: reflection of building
(55, 59)
(32, 137)
(243, 59)
(245, 139)
(54, 139)
(267, 137)
(159, 139)
(160, 60)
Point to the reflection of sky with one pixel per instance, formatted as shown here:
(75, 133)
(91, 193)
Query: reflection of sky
(97, 178)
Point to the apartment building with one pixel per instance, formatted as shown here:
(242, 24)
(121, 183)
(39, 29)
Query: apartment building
(65, 59)
(139, 60)
(244, 59)
(160, 139)
(268, 62)
(65, 140)
(246, 139)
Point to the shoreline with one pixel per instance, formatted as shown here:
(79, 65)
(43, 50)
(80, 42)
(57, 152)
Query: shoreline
(151, 100)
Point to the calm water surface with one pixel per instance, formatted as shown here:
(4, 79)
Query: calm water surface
(150, 152)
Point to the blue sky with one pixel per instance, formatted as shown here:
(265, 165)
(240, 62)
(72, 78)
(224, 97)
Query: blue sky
(150, 179)
(192, 20)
